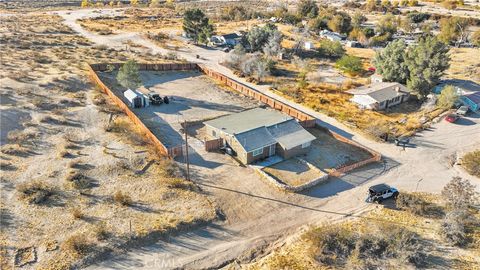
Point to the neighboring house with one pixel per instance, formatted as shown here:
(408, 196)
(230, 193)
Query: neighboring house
(333, 36)
(136, 99)
(379, 96)
(259, 133)
(468, 91)
(228, 39)
(308, 45)
(376, 78)
(472, 101)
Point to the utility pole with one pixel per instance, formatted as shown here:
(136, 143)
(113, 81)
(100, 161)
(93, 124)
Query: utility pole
(186, 149)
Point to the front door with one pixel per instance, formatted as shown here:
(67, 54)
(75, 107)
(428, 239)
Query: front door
(272, 150)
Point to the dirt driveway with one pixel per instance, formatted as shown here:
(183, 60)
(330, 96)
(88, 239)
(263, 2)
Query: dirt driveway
(257, 214)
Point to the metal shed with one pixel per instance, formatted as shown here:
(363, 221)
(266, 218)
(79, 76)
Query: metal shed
(135, 99)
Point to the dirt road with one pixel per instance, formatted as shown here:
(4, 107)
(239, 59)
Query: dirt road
(257, 214)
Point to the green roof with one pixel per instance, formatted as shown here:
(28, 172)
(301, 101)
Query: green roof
(248, 120)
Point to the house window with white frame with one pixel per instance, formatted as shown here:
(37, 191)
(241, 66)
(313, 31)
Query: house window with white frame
(257, 152)
(305, 145)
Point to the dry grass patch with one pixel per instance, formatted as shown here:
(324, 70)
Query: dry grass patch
(122, 198)
(471, 163)
(35, 192)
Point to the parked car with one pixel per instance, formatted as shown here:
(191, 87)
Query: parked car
(155, 99)
(452, 118)
(166, 100)
(402, 141)
(463, 110)
(381, 192)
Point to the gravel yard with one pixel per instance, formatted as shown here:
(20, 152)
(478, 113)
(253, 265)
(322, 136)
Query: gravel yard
(193, 97)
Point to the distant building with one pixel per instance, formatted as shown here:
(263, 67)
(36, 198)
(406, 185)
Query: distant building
(333, 36)
(228, 39)
(259, 133)
(376, 78)
(308, 45)
(379, 96)
(468, 91)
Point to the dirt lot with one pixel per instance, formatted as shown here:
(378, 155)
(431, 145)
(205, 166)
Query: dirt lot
(69, 189)
(293, 172)
(193, 97)
(328, 152)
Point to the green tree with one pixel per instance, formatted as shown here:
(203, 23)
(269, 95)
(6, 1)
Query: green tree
(387, 25)
(205, 33)
(331, 49)
(357, 19)
(128, 75)
(390, 62)
(448, 97)
(426, 63)
(196, 25)
(453, 30)
(307, 8)
(349, 64)
(340, 23)
(258, 36)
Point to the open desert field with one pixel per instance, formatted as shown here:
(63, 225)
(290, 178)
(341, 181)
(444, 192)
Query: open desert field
(72, 191)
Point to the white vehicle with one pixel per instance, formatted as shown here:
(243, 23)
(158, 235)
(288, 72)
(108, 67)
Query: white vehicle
(381, 192)
(462, 110)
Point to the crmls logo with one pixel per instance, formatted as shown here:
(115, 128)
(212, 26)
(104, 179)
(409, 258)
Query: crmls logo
(160, 264)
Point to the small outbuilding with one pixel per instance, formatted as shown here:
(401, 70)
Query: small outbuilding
(136, 99)
(379, 96)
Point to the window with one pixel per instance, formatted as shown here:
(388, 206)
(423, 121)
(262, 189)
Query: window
(257, 152)
(305, 145)
(214, 134)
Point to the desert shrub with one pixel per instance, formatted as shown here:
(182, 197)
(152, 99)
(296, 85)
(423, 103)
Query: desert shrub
(471, 163)
(98, 100)
(341, 245)
(78, 180)
(14, 150)
(101, 232)
(76, 212)
(459, 193)
(20, 137)
(64, 154)
(7, 166)
(414, 203)
(122, 198)
(180, 184)
(332, 244)
(169, 167)
(349, 64)
(331, 49)
(35, 192)
(77, 244)
(453, 228)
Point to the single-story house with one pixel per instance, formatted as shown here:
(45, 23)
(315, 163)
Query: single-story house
(376, 78)
(472, 101)
(228, 39)
(379, 96)
(333, 36)
(259, 133)
(136, 99)
(468, 91)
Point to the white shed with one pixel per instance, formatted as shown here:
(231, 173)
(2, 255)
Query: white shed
(135, 99)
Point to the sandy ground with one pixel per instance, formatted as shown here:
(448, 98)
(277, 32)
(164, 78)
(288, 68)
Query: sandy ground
(64, 134)
(258, 215)
(193, 97)
(293, 172)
